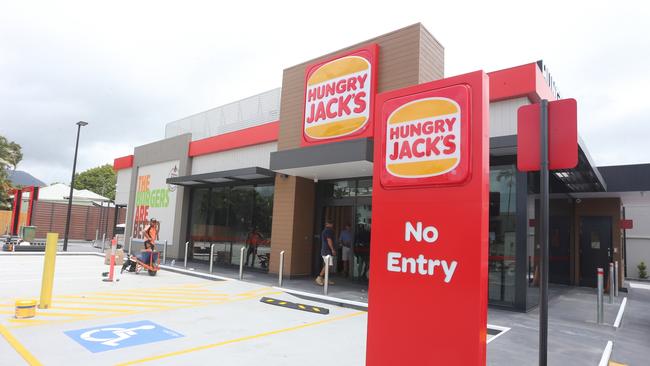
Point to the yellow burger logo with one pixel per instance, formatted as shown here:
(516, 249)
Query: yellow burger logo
(337, 98)
(423, 138)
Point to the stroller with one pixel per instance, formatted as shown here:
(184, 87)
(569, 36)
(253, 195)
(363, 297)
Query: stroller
(152, 265)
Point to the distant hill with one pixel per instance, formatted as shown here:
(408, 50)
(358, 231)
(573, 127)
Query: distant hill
(19, 178)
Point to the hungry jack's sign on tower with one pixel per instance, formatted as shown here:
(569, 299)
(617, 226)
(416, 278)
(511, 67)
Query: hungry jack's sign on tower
(339, 96)
(428, 285)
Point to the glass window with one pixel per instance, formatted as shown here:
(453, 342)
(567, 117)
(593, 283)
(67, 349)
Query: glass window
(364, 188)
(339, 189)
(229, 217)
(502, 235)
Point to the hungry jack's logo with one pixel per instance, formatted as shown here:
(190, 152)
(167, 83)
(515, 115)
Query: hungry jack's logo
(338, 96)
(426, 140)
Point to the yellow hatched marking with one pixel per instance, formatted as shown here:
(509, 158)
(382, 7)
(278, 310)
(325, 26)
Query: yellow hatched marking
(28, 321)
(184, 293)
(282, 303)
(241, 339)
(148, 309)
(135, 299)
(302, 306)
(253, 292)
(127, 304)
(316, 309)
(42, 313)
(140, 295)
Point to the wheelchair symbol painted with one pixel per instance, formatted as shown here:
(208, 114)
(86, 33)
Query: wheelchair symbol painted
(120, 334)
(110, 337)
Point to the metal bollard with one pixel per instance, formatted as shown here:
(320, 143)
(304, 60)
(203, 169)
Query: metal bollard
(616, 278)
(164, 259)
(281, 270)
(611, 283)
(241, 263)
(211, 256)
(103, 241)
(599, 299)
(130, 242)
(328, 259)
(187, 243)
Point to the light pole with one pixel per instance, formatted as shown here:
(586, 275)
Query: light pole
(74, 168)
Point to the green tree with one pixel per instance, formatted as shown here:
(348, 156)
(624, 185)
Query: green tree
(10, 156)
(100, 180)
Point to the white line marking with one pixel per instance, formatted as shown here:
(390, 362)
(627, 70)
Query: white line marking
(497, 327)
(621, 309)
(639, 285)
(607, 353)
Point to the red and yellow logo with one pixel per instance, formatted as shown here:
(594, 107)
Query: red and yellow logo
(423, 138)
(337, 97)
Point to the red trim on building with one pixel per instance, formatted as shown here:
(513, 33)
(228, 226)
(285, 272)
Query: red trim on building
(519, 81)
(124, 162)
(267, 132)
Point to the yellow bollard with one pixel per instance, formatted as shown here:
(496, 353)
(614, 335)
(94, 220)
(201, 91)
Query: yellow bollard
(48, 270)
(25, 309)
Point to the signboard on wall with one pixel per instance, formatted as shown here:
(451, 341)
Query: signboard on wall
(428, 298)
(339, 97)
(154, 198)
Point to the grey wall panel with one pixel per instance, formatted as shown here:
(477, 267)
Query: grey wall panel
(175, 148)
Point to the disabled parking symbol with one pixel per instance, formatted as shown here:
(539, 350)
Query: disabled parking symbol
(116, 336)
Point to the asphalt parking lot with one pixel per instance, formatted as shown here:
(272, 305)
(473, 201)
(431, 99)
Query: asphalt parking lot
(169, 319)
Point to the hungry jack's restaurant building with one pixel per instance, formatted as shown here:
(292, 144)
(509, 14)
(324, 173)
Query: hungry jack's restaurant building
(285, 161)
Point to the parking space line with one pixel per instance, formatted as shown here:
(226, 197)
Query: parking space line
(241, 339)
(22, 351)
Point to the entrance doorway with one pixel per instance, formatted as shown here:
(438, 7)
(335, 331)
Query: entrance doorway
(595, 247)
(346, 202)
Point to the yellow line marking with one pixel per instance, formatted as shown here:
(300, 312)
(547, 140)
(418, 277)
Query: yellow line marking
(131, 299)
(22, 351)
(42, 313)
(183, 293)
(301, 306)
(282, 303)
(252, 292)
(316, 309)
(140, 295)
(241, 339)
(127, 304)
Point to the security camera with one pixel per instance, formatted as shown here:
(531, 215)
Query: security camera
(578, 200)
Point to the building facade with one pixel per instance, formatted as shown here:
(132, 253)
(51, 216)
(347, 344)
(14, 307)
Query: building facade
(269, 170)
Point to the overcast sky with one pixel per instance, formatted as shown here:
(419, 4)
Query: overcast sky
(130, 67)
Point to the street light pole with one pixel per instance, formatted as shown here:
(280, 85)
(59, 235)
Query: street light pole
(74, 168)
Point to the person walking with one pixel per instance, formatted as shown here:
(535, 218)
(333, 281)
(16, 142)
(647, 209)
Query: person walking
(327, 249)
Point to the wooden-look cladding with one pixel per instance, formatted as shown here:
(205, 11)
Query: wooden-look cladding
(293, 220)
(407, 56)
(49, 217)
(432, 57)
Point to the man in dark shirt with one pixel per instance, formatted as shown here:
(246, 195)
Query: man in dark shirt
(327, 249)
